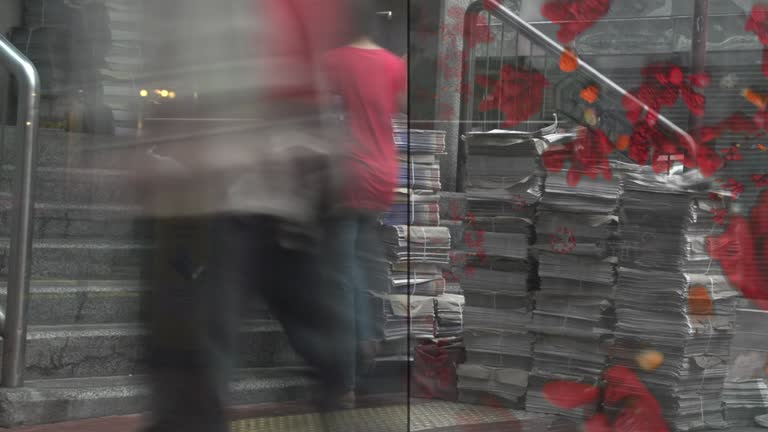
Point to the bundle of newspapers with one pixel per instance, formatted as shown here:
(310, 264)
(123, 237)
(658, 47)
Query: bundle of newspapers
(418, 247)
(672, 299)
(499, 272)
(573, 320)
(416, 255)
(503, 175)
(744, 400)
(746, 393)
(414, 207)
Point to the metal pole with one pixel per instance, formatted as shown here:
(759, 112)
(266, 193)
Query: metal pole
(698, 55)
(19, 257)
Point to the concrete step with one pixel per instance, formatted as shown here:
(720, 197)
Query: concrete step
(64, 302)
(60, 149)
(81, 259)
(88, 350)
(65, 220)
(82, 302)
(76, 185)
(56, 400)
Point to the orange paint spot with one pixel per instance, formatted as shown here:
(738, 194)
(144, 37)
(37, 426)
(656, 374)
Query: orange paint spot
(590, 93)
(761, 147)
(699, 301)
(755, 98)
(623, 142)
(568, 61)
(649, 360)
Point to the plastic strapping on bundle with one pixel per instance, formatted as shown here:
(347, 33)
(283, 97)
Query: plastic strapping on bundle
(709, 265)
(709, 339)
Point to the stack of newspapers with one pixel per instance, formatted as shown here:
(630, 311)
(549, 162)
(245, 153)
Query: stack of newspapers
(503, 186)
(671, 298)
(573, 320)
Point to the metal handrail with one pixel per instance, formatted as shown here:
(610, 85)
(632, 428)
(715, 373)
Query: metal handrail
(20, 254)
(501, 12)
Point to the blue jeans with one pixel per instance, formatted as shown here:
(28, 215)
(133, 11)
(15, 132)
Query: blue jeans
(360, 267)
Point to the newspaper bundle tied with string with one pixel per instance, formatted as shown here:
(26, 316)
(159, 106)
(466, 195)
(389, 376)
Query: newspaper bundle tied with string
(504, 181)
(671, 297)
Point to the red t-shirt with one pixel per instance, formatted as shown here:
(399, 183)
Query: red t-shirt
(301, 30)
(370, 82)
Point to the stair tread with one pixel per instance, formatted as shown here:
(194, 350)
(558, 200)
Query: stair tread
(76, 171)
(83, 243)
(126, 329)
(43, 286)
(6, 203)
(274, 374)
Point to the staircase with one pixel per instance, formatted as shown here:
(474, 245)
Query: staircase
(85, 354)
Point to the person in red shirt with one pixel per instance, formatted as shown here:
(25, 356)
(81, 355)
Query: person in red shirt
(371, 84)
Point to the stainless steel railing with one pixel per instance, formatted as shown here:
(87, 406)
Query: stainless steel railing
(14, 329)
(514, 39)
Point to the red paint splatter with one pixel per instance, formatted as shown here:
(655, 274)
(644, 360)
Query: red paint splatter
(587, 156)
(640, 412)
(714, 196)
(518, 94)
(647, 140)
(742, 251)
(738, 122)
(574, 16)
(760, 180)
(662, 86)
(719, 215)
(563, 241)
(570, 395)
(732, 154)
(757, 23)
(735, 187)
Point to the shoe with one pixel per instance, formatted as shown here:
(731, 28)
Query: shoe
(762, 420)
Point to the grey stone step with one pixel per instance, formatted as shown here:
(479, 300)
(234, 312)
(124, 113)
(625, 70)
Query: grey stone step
(76, 185)
(81, 259)
(50, 401)
(82, 302)
(99, 302)
(65, 220)
(59, 148)
(78, 351)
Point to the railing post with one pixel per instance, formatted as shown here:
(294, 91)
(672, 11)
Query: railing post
(20, 254)
(698, 56)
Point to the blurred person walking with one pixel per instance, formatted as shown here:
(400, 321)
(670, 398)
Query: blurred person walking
(236, 196)
(371, 83)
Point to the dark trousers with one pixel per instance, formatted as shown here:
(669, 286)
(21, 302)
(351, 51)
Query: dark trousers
(358, 264)
(202, 268)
